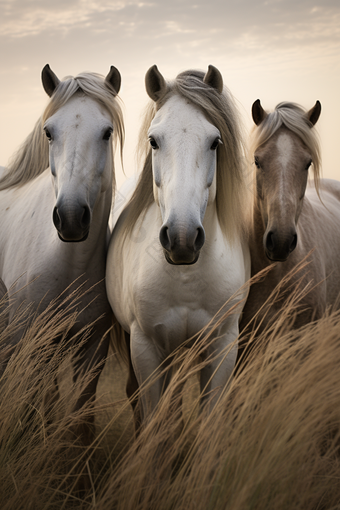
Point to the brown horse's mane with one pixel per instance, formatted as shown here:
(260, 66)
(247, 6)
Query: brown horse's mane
(294, 118)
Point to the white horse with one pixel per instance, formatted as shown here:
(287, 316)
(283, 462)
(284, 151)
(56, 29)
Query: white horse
(177, 252)
(55, 201)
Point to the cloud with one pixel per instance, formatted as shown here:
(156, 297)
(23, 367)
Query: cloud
(137, 33)
(22, 19)
(237, 21)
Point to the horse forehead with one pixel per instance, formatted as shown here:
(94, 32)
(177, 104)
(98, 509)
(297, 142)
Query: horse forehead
(285, 149)
(178, 115)
(290, 147)
(80, 111)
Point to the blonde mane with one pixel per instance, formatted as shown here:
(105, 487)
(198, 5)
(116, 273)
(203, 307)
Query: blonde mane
(32, 158)
(293, 117)
(221, 111)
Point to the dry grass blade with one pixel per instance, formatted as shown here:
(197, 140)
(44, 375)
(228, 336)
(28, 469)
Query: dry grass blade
(273, 440)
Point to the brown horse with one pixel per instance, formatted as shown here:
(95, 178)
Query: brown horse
(291, 218)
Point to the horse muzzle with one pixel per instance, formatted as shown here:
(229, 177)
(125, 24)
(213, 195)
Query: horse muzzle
(181, 248)
(277, 247)
(72, 224)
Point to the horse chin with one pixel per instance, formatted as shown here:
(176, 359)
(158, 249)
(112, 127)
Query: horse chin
(73, 240)
(180, 263)
(276, 258)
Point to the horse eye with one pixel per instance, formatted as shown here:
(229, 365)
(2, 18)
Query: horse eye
(257, 163)
(215, 144)
(48, 135)
(107, 134)
(153, 143)
(308, 164)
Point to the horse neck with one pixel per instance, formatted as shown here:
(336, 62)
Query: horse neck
(100, 219)
(257, 230)
(210, 221)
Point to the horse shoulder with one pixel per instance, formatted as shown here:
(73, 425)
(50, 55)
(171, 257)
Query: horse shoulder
(324, 225)
(235, 257)
(27, 237)
(321, 214)
(330, 186)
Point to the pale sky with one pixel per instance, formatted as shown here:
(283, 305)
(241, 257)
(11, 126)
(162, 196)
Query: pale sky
(275, 50)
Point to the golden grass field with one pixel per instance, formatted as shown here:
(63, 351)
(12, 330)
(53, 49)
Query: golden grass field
(272, 442)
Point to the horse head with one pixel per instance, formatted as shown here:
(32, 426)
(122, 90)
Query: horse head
(78, 127)
(286, 148)
(184, 145)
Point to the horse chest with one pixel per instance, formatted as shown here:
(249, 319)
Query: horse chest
(175, 326)
(181, 305)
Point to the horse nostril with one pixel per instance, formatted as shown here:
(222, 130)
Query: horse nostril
(56, 219)
(164, 238)
(86, 217)
(270, 241)
(200, 238)
(293, 243)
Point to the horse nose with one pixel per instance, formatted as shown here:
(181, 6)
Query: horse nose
(270, 241)
(200, 238)
(86, 217)
(168, 241)
(293, 243)
(181, 247)
(72, 223)
(57, 219)
(278, 247)
(164, 238)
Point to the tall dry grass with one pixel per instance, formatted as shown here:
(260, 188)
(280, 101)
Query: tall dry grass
(40, 459)
(272, 442)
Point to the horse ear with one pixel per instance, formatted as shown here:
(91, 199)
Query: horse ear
(49, 80)
(114, 79)
(214, 78)
(155, 84)
(314, 113)
(258, 112)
